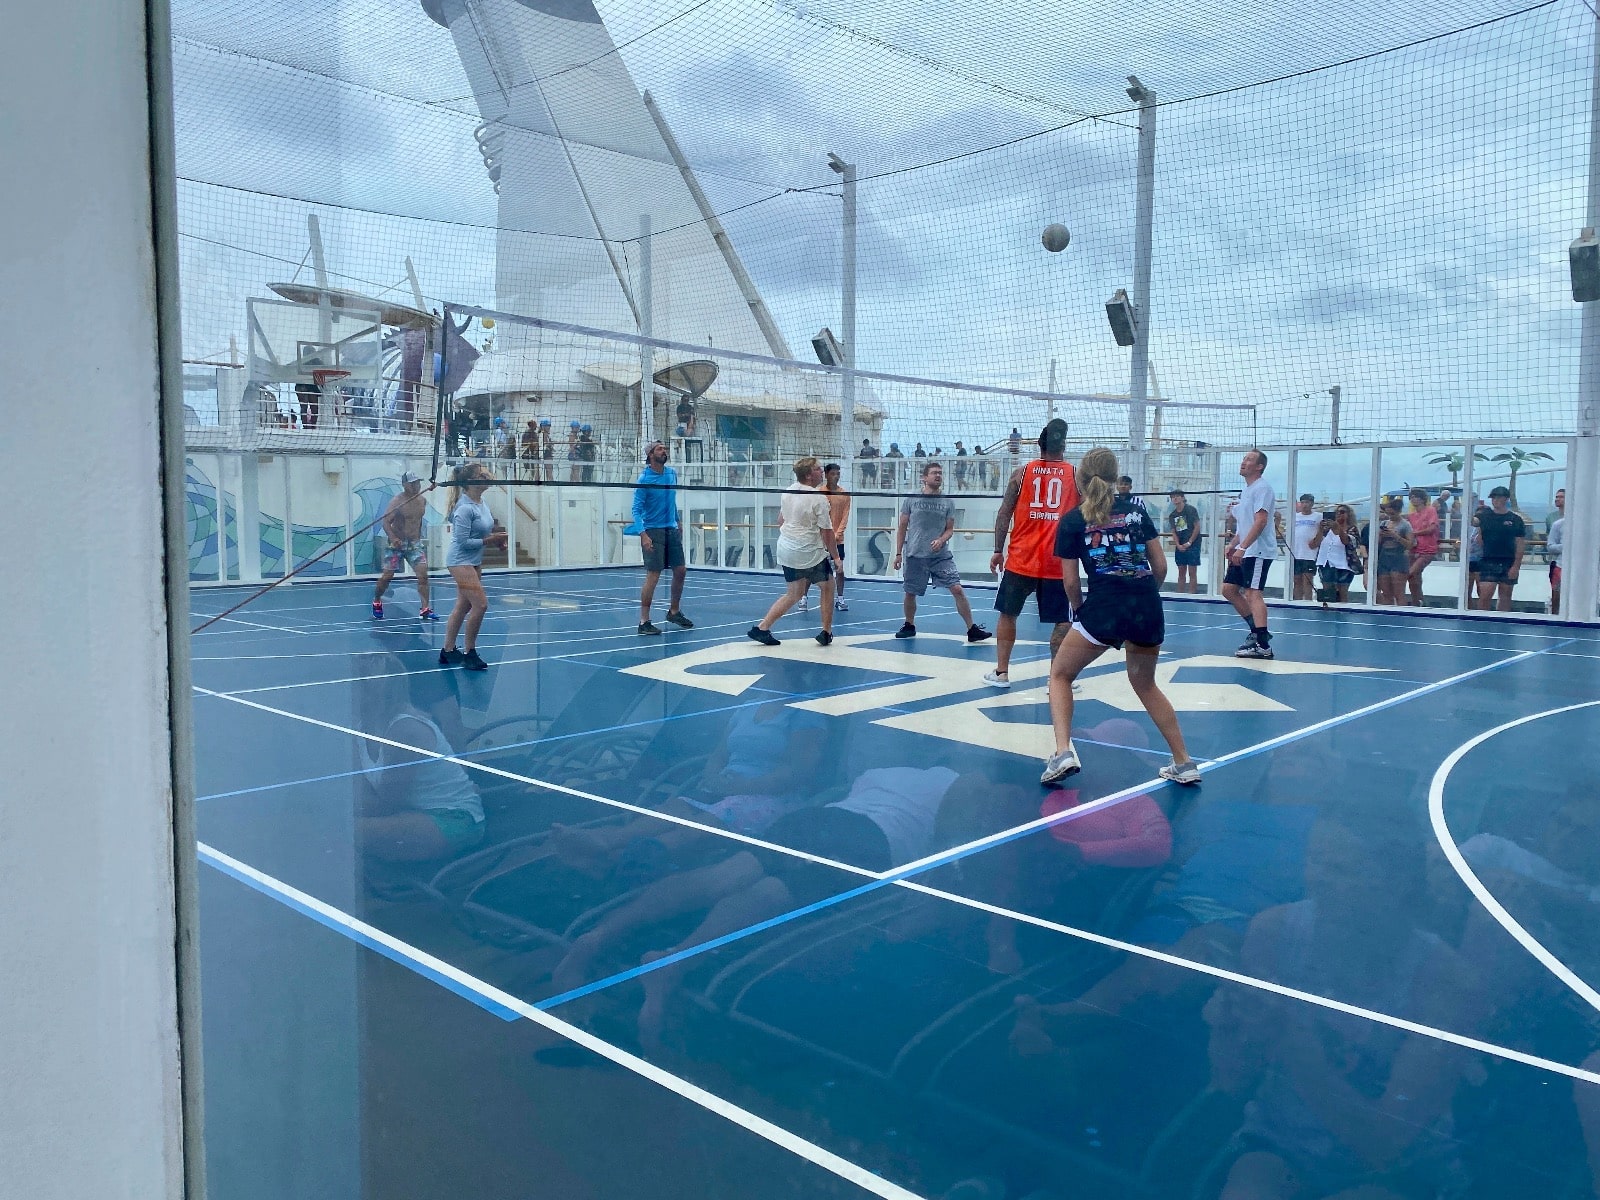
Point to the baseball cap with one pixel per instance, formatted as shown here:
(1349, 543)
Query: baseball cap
(1054, 435)
(1499, 491)
(573, 424)
(406, 477)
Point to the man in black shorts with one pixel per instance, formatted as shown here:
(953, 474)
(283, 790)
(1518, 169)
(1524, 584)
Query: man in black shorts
(1037, 496)
(1505, 537)
(1250, 553)
(1112, 541)
(655, 515)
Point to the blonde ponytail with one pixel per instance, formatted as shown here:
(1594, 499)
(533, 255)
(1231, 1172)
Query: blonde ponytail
(1097, 479)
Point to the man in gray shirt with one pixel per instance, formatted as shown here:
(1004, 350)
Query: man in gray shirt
(922, 542)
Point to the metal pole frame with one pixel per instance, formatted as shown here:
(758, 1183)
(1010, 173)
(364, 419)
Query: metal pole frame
(1580, 560)
(1143, 239)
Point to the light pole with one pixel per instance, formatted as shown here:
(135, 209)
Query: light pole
(847, 322)
(1144, 223)
(1337, 392)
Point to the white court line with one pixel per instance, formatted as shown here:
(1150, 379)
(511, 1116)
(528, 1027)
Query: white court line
(257, 625)
(1441, 830)
(712, 1103)
(1265, 985)
(547, 785)
(635, 642)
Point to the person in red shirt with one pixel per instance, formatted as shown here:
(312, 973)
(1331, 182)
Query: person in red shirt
(1039, 493)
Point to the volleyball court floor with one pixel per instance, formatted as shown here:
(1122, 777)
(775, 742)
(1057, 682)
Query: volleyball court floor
(800, 921)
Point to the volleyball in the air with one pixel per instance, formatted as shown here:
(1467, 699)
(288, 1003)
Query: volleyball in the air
(488, 322)
(1055, 238)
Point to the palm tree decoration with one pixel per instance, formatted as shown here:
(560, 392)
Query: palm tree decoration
(1515, 460)
(1455, 462)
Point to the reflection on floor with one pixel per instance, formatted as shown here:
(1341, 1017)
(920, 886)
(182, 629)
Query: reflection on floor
(689, 916)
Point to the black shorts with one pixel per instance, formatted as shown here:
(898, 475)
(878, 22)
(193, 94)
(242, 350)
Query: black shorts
(820, 573)
(1189, 557)
(1495, 570)
(1050, 593)
(1305, 566)
(666, 550)
(1122, 616)
(1250, 574)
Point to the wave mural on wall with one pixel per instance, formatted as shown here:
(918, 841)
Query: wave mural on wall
(200, 520)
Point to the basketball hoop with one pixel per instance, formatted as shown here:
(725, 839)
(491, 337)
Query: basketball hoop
(328, 375)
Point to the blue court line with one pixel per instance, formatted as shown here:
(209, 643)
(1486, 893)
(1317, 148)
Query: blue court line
(211, 859)
(983, 844)
(562, 737)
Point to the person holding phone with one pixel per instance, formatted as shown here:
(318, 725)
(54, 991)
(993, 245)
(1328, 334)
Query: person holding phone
(1395, 539)
(1338, 554)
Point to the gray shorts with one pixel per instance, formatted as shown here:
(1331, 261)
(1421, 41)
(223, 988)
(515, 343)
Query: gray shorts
(939, 570)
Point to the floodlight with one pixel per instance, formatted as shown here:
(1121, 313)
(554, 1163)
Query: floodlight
(829, 352)
(1137, 92)
(1583, 260)
(1124, 321)
(837, 164)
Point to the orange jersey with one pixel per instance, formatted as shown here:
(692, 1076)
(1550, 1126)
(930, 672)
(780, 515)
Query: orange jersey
(1049, 492)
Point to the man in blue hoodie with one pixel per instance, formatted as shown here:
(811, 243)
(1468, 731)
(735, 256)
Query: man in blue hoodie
(655, 515)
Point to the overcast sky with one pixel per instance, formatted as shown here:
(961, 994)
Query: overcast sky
(1397, 226)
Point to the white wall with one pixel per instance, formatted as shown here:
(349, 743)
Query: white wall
(89, 1079)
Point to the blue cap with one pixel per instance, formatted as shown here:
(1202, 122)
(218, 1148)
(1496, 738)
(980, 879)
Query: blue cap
(587, 429)
(574, 424)
(546, 421)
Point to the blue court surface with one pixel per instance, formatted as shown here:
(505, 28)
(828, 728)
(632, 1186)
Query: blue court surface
(800, 921)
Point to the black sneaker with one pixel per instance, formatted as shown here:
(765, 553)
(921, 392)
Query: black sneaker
(647, 627)
(757, 634)
(471, 662)
(977, 633)
(450, 658)
(908, 630)
(681, 621)
(825, 638)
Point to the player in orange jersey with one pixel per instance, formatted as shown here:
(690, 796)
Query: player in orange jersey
(1039, 494)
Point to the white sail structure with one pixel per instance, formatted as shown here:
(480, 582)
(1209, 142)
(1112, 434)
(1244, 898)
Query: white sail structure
(577, 157)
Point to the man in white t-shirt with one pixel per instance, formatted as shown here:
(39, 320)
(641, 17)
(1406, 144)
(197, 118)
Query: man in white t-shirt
(806, 550)
(1250, 553)
(1306, 524)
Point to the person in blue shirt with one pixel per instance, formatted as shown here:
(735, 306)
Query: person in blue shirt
(655, 516)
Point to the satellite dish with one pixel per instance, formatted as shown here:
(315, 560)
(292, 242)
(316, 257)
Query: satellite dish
(689, 379)
(389, 312)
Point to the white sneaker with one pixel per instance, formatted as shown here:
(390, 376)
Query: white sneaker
(804, 605)
(1185, 773)
(840, 606)
(1061, 764)
(998, 679)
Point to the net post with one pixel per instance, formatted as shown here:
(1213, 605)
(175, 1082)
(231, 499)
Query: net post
(847, 323)
(1143, 236)
(647, 366)
(1579, 570)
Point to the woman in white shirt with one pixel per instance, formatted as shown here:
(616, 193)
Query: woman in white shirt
(471, 529)
(805, 551)
(1338, 555)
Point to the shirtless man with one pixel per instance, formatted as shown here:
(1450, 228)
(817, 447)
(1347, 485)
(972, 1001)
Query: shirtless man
(402, 526)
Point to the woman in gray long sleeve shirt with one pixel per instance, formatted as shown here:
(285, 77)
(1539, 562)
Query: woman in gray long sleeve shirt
(471, 528)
